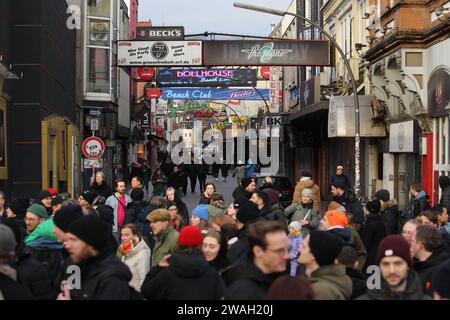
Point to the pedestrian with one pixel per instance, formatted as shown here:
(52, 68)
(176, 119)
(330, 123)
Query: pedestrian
(219, 221)
(159, 183)
(269, 253)
(230, 232)
(17, 211)
(137, 183)
(444, 184)
(167, 167)
(184, 176)
(175, 218)
(87, 200)
(119, 202)
(398, 280)
(335, 222)
(348, 200)
(35, 215)
(232, 209)
(200, 218)
(216, 206)
(176, 180)
(172, 195)
(215, 250)
(410, 229)
(420, 199)
(245, 189)
(103, 275)
(261, 199)
(135, 253)
(205, 198)
(57, 203)
(304, 212)
(251, 169)
(166, 236)
(64, 218)
(341, 178)
(389, 211)
(295, 243)
(357, 242)
(135, 207)
(440, 281)
(306, 182)
(329, 280)
(10, 289)
(185, 274)
(442, 213)
(193, 172)
(224, 170)
(215, 170)
(100, 186)
(428, 253)
(373, 232)
(45, 199)
(142, 222)
(239, 172)
(290, 288)
(202, 169)
(349, 258)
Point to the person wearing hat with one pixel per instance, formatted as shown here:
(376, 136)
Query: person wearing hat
(185, 274)
(266, 211)
(17, 210)
(340, 177)
(166, 236)
(176, 219)
(45, 199)
(235, 205)
(329, 280)
(35, 215)
(398, 280)
(200, 217)
(440, 281)
(136, 206)
(335, 222)
(87, 200)
(57, 203)
(389, 211)
(64, 218)
(348, 200)
(373, 232)
(349, 258)
(216, 206)
(304, 212)
(103, 275)
(246, 188)
(295, 243)
(306, 182)
(239, 171)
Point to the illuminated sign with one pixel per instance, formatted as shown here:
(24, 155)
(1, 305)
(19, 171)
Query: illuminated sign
(206, 77)
(214, 94)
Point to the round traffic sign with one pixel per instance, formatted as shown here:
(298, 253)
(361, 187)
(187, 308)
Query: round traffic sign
(93, 147)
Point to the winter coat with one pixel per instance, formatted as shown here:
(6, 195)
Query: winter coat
(444, 183)
(204, 200)
(240, 191)
(331, 283)
(342, 178)
(188, 277)
(390, 216)
(274, 214)
(102, 190)
(420, 203)
(352, 205)
(251, 170)
(252, 283)
(299, 212)
(167, 168)
(344, 234)
(44, 229)
(144, 225)
(146, 197)
(425, 269)
(132, 211)
(159, 185)
(358, 244)
(217, 208)
(240, 249)
(103, 277)
(113, 202)
(10, 289)
(307, 184)
(359, 283)
(413, 291)
(372, 233)
(183, 211)
(239, 173)
(296, 244)
(176, 180)
(138, 260)
(164, 245)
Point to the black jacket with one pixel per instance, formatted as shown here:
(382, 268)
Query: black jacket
(188, 277)
(444, 183)
(352, 205)
(420, 203)
(342, 178)
(344, 234)
(274, 214)
(204, 200)
(253, 284)
(425, 269)
(239, 249)
(240, 191)
(132, 211)
(390, 216)
(104, 277)
(372, 233)
(12, 290)
(359, 283)
(176, 180)
(102, 190)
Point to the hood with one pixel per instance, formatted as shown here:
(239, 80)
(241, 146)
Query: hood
(335, 274)
(43, 242)
(391, 203)
(343, 233)
(306, 183)
(141, 246)
(221, 261)
(188, 265)
(413, 290)
(420, 195)
(444, 182)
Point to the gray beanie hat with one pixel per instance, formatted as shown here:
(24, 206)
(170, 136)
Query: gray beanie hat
(7, 241)
(307, 192)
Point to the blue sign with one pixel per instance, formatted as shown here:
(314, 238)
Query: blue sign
(214, 94)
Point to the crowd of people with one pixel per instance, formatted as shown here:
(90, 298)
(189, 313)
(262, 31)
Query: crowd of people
(120, 244)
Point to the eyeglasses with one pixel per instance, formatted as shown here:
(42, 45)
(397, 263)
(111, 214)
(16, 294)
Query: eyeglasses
(281, 252)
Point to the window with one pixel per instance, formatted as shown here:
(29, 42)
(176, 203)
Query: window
(99, 8)
(98, 70)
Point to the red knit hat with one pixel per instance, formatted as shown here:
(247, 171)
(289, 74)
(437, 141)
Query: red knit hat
(190, 236)
(52, 191)
(394, 246)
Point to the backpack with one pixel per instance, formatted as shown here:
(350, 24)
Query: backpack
(404, 216)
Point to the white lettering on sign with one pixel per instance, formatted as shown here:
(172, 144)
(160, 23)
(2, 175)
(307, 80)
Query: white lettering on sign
(165, 33)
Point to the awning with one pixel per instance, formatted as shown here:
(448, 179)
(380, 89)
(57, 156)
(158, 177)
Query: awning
(309, 111)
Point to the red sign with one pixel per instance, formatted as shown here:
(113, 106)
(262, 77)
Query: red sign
(146, 74)
(265, 72)
(153, 93)
(93, 148)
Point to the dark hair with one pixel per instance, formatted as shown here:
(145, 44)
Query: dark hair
(158, 202)
(257, 232)
(134, 229)
(431, 216)
(305, 173)
(116, 183)
(417, 187)
(290, 288)
(209, 184)
(138, 179)
(263, 196)
(229, 231)
(438, 209)
(338, 184)
(430, 237)
(187, 249)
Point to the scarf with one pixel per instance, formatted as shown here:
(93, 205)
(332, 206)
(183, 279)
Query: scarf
(126, 247)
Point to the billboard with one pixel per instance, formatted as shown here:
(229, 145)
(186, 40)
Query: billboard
(266, 53)
(206, 77)
(159, 33)
(214, 94)
(159, 53)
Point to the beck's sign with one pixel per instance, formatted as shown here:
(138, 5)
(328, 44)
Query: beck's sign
(214, 94)
(160, 33)
(206, 77)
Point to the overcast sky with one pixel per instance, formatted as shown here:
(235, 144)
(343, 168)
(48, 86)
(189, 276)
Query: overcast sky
(198, 16)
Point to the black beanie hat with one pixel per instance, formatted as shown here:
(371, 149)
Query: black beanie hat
(66, 215)
(19, 207)
(374, 206)
(441, 279)
(246, 181)
(89, 196)
(106, 213)
(44, 194)
(325, 247)
(247, 213)
(137, 194)
(383, 195)
(92, 230)
(57, 200)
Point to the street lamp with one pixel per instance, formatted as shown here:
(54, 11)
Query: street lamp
(349, 70)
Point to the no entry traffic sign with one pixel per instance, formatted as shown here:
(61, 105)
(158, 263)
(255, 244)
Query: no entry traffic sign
(93, 147)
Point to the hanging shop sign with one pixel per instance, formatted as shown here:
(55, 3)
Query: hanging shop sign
(99, 31)
(403, 137)
(310, 92)
(269, 53)
(206, 77)
(214, 94)
(153, 93)
(159, 53)
(146, 74)
(439, 93)
(265, 72)
(159, 33)
(93, 148)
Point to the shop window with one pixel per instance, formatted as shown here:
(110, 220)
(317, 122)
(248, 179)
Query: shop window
(414, 59)
(99, 32)
(98, 70)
